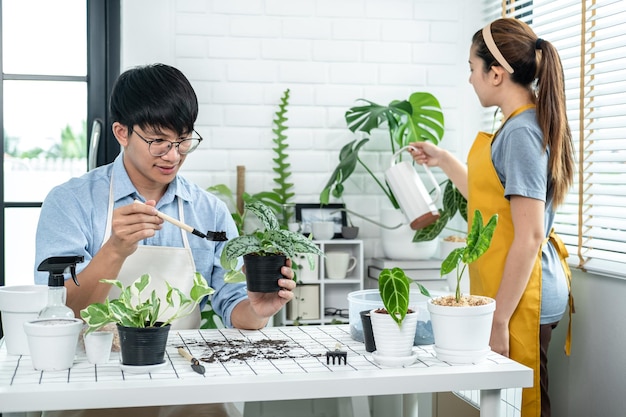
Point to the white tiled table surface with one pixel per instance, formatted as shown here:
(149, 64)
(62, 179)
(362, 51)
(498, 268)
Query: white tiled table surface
(298, 371)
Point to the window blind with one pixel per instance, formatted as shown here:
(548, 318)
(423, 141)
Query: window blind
(590, 36)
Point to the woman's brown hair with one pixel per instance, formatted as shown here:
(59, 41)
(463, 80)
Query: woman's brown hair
(533, 59)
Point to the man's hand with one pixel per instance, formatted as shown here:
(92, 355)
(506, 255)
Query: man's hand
(131, 224)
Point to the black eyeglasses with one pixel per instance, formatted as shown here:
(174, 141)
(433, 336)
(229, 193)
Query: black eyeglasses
(341, 312)
(160, 147)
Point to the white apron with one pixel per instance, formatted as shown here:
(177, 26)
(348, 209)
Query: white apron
(163, 263)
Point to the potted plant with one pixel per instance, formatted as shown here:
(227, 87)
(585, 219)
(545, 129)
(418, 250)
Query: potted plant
(462, 323)
(140, 318)
(394, 325)
(265, 252)
(417, 119)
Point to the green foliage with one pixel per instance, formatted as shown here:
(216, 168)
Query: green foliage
(453, 202)
(72, 145)
(270, 241)
(414, 120)
(478, 241)
(393, 286)
(131, 310)
(281, 194)
(280, 149)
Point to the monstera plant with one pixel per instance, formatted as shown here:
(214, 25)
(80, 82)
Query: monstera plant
(417, 119)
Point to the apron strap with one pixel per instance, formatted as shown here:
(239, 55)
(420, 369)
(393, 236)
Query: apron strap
(107, 228)
(561, 250)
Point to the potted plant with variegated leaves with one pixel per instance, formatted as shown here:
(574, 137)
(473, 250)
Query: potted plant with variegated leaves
(137, 314)
(394, 325)
(462, 322)
(264, 252)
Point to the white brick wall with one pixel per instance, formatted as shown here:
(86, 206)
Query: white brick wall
(241, 54)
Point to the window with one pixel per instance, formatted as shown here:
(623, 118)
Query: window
(58, 60)
(591, 38)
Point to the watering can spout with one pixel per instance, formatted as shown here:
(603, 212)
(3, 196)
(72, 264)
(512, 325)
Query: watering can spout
(414, 200)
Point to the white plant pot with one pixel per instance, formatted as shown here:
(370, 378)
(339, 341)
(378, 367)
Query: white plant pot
(19, 304)
(393, 340)
(462, 333)
(398, 243)
(52, 342)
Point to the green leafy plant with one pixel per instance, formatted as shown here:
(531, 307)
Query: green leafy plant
(453, 202)
(477, 243)
(393, 286)
(131, 310)
(280, 195)
(417, 119)
(414, 120)
(271, 241)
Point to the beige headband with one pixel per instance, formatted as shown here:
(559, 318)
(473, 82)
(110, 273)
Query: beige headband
(493, 48)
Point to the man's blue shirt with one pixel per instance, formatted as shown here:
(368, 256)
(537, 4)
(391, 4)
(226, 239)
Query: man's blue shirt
(74, 215)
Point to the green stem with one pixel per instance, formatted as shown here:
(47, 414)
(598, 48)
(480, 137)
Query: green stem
(459, 275)
(390, 196)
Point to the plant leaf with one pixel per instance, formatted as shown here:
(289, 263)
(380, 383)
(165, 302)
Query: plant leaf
(427, 122)
(393, 286)
(452, 261)
(348, 158)
(480, 239)
(265, 214)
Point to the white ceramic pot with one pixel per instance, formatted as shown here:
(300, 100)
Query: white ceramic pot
(19, 304)
(398, 243)
(52, 342)
(393, 340)
(461, 333)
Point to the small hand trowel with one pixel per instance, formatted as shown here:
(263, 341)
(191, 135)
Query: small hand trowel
(195, 363)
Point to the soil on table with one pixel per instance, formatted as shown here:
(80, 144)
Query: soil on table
(243, 350)
(466, 301)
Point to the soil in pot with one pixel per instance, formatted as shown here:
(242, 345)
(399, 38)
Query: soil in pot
(464, 301)
(141, 346)
(263, 272)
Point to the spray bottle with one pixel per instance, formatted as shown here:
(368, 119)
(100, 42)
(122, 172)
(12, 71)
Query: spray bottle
(57, 293)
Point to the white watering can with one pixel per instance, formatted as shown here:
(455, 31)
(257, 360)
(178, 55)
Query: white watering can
(414, 200)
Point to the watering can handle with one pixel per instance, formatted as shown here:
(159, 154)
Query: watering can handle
(430, 175)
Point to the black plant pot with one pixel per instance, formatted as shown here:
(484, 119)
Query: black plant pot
(143, 345)
(263, 272)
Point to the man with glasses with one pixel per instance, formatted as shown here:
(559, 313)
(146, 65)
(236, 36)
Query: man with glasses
(153, 109)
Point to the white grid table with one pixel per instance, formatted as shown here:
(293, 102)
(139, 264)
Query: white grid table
(275, 363)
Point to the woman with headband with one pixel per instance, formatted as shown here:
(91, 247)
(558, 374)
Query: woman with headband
(522, 172)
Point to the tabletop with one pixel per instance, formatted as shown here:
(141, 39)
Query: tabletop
(275, 363)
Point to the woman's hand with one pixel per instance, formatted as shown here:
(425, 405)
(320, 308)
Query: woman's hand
(426, 153)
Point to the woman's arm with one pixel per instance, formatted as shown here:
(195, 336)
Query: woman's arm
(528, 224)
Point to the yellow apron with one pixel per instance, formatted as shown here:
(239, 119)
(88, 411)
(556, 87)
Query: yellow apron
(486, 194)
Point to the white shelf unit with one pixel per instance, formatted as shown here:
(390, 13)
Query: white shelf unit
(333, 293)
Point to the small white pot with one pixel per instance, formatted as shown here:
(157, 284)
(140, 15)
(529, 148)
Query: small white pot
(393, 340)
(52, 342)
(462, 333)
(19, 304)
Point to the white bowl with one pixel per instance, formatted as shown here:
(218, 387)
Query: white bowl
(19, 304)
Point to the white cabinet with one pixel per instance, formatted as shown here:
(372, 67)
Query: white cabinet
(319, 299)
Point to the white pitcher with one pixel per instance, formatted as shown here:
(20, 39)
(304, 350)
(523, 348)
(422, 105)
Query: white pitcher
(411, 194)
